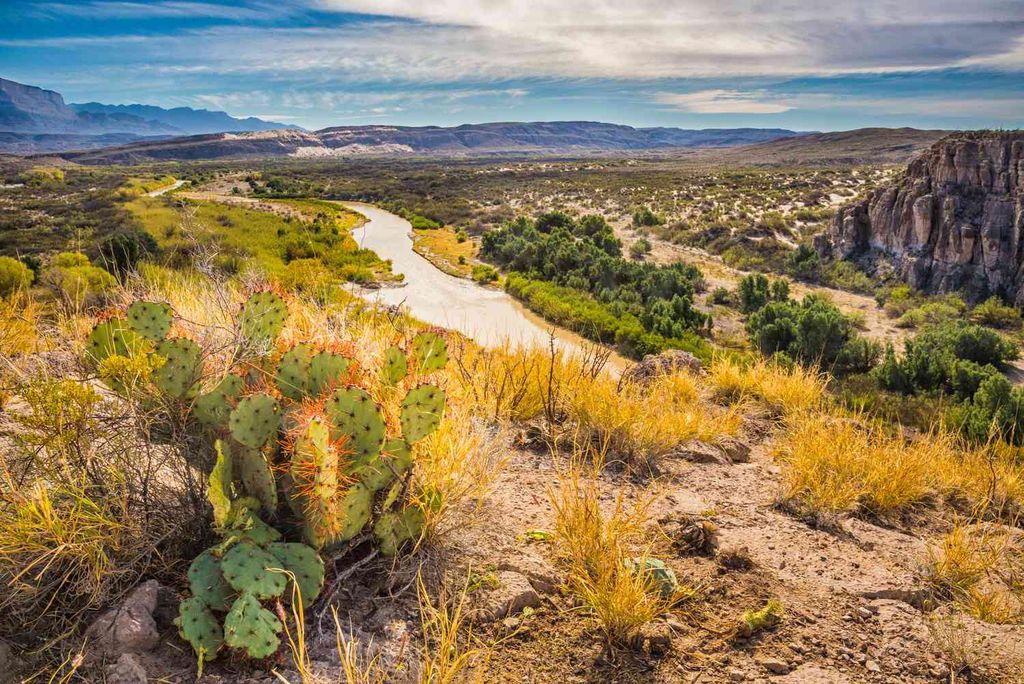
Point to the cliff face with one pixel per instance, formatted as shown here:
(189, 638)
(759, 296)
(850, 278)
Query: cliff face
(954, 222)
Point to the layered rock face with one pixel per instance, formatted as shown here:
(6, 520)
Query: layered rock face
(953, 222)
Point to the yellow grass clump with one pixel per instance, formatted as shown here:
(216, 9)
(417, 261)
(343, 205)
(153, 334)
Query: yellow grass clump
(783, 391)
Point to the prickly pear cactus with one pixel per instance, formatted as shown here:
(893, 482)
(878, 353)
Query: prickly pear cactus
(247, 568)
(256, 476)
(255, 420)
(355, 415)
(262, 318)
(429, 352)
(252, 627)
(396, 366)
(199, 627)
(660, 576)
(304, 564)
(327, 370)
(213, 408)
(422, 410)
(292, 378)
(113, 337)
(151, 320)
(207, 583)
(178, 376)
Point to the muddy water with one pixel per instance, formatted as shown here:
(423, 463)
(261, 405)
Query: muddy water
(487, 315)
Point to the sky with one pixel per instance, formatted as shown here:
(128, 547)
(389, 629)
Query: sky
(798, 64)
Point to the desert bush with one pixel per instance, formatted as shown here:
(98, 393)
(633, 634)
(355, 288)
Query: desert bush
(756, 291)
(14, 276)
(76, 280)
(644, 217)
(640, 248)
(482, 273)
(804, 263)
(783, 390)
(994, 313)
(846, 276)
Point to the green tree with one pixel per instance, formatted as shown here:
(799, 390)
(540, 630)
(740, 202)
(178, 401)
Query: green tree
(14, 276)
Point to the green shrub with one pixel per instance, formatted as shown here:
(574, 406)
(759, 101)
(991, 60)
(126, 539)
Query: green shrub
(72, 276)
(846, 276)
(14, 276)
(994, 313)
(483, 273)
(755, 291)
(644, 217)
(804, 263)
(640, 248)
(723, 297)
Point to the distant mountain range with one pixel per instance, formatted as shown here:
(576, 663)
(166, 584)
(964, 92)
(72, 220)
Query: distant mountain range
(36, 120)
(556, 137)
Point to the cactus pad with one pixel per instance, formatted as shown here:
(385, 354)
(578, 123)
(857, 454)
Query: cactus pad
(395, 459)
(394, 530)
(213, 408)
(218, 491)
(251, 626)
(247, 568)
(199, 627)
(257, 479)
(395, 366)
(248, 526)
(177, 377)
(152, 320)
(654, 570)
(255, 420)
(262, 317)
(353, 413)
(292, 377)
(354, 512)
(303, 562)
(113, 337)
(422, 410)
(429, 352)
(207, 582)
(327, 370)
(314, 473)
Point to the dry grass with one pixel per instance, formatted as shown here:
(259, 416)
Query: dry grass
(593, 545)
(451, 652)
(782, 391)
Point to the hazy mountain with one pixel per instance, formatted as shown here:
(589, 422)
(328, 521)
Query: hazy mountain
(558, 137)
(33, 119)
(184, 119)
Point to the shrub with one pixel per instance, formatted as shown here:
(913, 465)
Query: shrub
(994, 313)
(640, 248)
(644, 217)
(78, 281)
(804, 263)
(14, 276)
(846, 276)
(121, 252)
(755, 291)
(723, 297)
(483, 273)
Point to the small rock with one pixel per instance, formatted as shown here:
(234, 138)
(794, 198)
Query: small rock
(872, 666)
(736, 675)
(657, 637)
(129, 628)
(696, 451)
(513, 593)
(737, 451)
(127, 670)
(656, 365)
(864, 613)
(774, 665)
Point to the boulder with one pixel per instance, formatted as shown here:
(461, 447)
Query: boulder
(129, 628)
(656, 365)
(511, 594)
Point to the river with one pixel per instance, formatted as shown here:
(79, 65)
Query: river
(487, 315)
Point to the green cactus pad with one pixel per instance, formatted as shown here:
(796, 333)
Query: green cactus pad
(218, 491)
(396, 365)
(248, 526)
(178, 376)
(354, 511)
(327, 370)
(429, 352)
(394, 530)
(213, 408)
(255, 420)
(422, 410)
(353, 413)
(207, 582)
(314, 471)
(262, 318)
(395, 459)
(247, 568)
(199, 627)
(152, 320)
(113, 338)
(252, 627)
(257, 479)
(392, 495)
(303, 562)
(659, 575)
(292, 377)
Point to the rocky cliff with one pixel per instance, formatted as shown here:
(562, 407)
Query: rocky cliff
(953, 222)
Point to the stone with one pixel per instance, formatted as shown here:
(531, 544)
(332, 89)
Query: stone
(736, 675)
(872, 666)
(657, 638)
(951, 223)
(697, 451)
(129, 628)
(654, 366)
(512, 594)
(774, 665)
(864, 613)
(736, 450)
(126, 670)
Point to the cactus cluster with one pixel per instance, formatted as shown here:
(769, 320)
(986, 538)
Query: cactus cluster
(302, 442)
(235, 578)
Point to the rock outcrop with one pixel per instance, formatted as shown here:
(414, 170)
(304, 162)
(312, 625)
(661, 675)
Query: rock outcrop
(953, 222)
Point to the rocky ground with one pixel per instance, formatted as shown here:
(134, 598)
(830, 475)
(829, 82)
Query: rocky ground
(855, 606)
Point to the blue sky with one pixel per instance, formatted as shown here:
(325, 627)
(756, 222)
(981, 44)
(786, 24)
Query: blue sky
(801, 64)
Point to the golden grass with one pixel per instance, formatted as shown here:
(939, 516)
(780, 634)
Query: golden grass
(451, 652)
(782, 391)
(441, 247)
(593, 545)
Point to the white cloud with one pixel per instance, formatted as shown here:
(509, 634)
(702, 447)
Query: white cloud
(721, 102)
